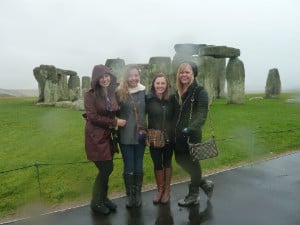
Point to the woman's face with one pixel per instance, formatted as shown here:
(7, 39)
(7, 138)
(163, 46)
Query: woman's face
(104, 80)
(133, 78)
(186, 75)
(160, 85)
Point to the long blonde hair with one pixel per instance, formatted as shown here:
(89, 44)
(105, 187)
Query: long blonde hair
(179, 85)
(123, 89)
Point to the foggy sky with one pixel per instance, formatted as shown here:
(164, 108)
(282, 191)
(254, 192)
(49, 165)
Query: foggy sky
(78, 34)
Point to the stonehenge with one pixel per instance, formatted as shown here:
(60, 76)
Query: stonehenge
(219, 66)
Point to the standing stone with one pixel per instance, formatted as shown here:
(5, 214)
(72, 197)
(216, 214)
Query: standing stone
(184, 52)
(85, 84)
(212, 76)
(159, 65)
(208, 75)
(51, 83)
(63, 92)
(235, 76)
(74, 88)
(273, 84)
(41, 79)
(117, 66)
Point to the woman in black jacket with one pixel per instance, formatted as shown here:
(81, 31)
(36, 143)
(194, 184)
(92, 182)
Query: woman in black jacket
(189, 95)
(159, 115)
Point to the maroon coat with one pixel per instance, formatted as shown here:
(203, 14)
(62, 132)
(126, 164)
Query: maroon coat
(100, 121)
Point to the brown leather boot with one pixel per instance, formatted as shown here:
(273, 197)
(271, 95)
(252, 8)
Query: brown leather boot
(159, 177)
(167, 188)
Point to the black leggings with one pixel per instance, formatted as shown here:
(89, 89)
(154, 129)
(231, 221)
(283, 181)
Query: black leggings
(105, 168)
(161, 157)
(193, 168)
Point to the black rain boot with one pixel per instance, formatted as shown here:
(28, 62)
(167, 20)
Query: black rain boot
(208, 188)
(97, 203)
(129, 185)
(138, 189)
(108, 203)
(192, 197)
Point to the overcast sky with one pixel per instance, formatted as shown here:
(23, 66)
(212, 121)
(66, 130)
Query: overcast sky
(78, 34)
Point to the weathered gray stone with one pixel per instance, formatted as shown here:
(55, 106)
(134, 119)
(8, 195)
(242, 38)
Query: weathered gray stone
(159, 65)
(273, 84)
(117, 66)
(219, 51)
(212, 76)
(63, 92)
(235, 76)
(52, 83)
(187, 49)
(78, 105)
(41, 79)
(85, 84)
(50, 92)
(66, 72)
(74, 88)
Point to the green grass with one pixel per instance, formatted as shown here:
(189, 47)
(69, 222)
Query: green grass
(33, 135)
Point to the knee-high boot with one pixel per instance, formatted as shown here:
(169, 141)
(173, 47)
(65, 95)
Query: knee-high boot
(99, 197)
(129, 185)
(138, 189)
(167, 187)
(159, 177)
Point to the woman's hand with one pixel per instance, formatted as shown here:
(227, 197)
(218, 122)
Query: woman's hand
(121, 122)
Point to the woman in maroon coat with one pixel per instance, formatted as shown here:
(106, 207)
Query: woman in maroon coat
(101, 106)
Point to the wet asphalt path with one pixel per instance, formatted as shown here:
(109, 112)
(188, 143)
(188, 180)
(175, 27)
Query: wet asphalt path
(264, 193)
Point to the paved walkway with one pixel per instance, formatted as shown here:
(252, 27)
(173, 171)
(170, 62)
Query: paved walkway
(264, 193)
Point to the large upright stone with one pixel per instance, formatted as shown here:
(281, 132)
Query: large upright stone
(41, 79)
(85, 84)
(51, 83)
(63, 92)
(273, 84)
(184, 52)
(212, 76)
(117, 66)
(74, 88)
(235, 76)
(159, 65)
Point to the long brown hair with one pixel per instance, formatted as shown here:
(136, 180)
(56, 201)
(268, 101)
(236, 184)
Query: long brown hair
(166, 93)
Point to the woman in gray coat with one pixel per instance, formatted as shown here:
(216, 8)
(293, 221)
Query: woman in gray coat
(131, 98)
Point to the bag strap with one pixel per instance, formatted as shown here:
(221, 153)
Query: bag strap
(136, 115)
(208, 116)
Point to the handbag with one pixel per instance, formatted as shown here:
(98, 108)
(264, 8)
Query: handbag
(114, 139)
(155, 138)
(203, 150)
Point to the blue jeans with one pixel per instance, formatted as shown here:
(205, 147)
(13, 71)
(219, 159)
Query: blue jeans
(133, 157)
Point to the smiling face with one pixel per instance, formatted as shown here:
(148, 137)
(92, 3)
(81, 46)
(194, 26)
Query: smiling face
(104, 80)
(160, 86)
(133, 78)
(186, 75)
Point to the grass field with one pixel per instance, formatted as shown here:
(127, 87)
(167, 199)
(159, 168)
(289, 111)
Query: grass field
(42, 154)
